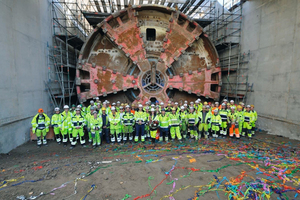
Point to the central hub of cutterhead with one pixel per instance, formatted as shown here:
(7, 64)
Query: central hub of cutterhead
(153, 81)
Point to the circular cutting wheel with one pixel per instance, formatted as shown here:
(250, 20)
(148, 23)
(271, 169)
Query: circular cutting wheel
(148, 52)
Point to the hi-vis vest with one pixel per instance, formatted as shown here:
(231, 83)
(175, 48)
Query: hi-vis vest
(96, 123)
(248, 117)
(140, 116)
(223, 114)
(78, 121)
(163, 121)
(174, 120)
(40, 122)
(56, 120)
(128, 119)
(216, 120)
(192, 119)
(114, 118)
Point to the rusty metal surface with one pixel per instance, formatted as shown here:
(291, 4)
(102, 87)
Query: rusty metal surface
(148, 52)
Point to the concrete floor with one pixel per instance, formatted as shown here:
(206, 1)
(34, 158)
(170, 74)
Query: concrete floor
(270, 31)
(209, 169)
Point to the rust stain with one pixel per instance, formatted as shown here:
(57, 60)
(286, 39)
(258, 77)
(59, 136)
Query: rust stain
(129, 38)
(103, 51)
(199, 81)
(128, 81)
(105, 83)
(210, 49)
(119, 81)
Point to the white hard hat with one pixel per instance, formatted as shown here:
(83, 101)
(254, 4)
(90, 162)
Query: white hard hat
(113, 104)
(97, 98)
(231, 101)
(233, 107)
(192, 107)
(225, 100)
(77, 108)
(223, 104)
(140, 105)
(56, 109)
(191, 102)
(216, 102)
(185, 105)
(161, 103)
(199, 100)
(66, 107)
(104, 102)
(207, 106)
(92, 101)
(118, 101)
(113, 108)
(147, 107)
(216, 110)
(185, 102)
(127, 106)
(95, 112)
(147, 103)
(169, 101)
(152, 110)
(182, 107)
(107, 102)
(248, 106)
(152, 105)
(176, 103)
(121, 107)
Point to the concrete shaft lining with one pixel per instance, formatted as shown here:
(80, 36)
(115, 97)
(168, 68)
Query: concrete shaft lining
(25, 31)
(271, 32)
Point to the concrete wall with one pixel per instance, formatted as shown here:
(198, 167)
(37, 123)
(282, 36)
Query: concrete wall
(24, 33)
(271, 32)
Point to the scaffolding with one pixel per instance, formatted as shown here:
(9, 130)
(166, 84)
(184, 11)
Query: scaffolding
(70, 30)
(225, 33)
(235, 73)
(73, 21)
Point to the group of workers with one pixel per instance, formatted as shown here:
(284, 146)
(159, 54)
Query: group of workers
(121, 123)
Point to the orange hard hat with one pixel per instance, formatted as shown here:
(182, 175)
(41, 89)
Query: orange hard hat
(41, 110)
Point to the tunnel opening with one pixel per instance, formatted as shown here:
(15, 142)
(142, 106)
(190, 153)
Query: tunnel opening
(191, 27)
(132, 94)
(170, 72)
(85, 87)
(215, 77)
(114, 23)
(151, 34)
(84, 74)
(124, 18)
(181, 20)
(170, 93)
(214, 87)
(153, 100)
